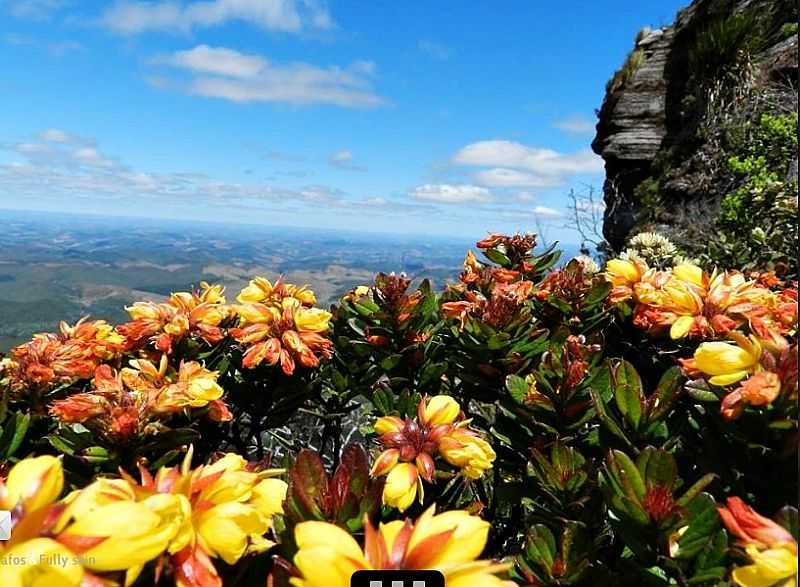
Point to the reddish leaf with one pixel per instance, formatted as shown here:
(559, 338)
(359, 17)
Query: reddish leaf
(308, 494)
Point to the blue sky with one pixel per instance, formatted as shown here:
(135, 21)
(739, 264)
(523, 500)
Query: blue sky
(444, 117)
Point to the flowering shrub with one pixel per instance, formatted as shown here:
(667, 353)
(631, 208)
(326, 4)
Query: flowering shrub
(531, 424)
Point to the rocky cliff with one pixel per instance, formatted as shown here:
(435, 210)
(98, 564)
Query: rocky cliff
(664, 165)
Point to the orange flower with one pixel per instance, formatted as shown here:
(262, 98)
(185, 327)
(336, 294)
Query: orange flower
(72, 354)
(760, 389)
(295, 336)
(752, 528)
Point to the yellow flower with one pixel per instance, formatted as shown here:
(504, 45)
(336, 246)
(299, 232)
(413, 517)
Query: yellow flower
(32, 483)
(303, 294)
(212, 294)
(257, 313)
(201, 384)
(623, 272)
(466, 544)
(385, 462)
(311, 319)
(268, 496)
(728, 363)
(401, 486)
(128, 535)
(440, 409)
(691, 273)
(232, 529)
(468, 451)
(774, 566)
(386, 424)
(258, 290)
(327, 555)
(40, 562)
(450, 542)
(98, 493)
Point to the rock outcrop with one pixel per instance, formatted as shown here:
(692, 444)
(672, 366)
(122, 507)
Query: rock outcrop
(646, 116)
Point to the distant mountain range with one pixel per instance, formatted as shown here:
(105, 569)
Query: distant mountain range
(61, 267)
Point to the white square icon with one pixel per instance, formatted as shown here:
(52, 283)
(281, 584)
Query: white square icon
(5, 525)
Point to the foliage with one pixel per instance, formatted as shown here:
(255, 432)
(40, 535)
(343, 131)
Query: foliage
(757, 220)
(530, 424)
(623, 75)
(724, 45)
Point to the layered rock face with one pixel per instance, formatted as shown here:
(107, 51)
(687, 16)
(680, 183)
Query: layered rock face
(644, 114)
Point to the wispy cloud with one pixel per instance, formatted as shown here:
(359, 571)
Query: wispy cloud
(503, 177)
(34, 9)
(220, 72)
(56, 164)
(575, 125)
(451, 194)
(343, 159)
(435, 50)
(132, 17)
(55, 48)
(547, 212)
(512, 164)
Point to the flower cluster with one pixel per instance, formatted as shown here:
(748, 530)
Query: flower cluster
(689, 302)
(654, 249)
(763, 374)
(112, 528)
(73, 353)
(770, 547)
(492, 295)
(449, 542)
(278, 324)
(125, 404)
(410, 447)
(197, 313)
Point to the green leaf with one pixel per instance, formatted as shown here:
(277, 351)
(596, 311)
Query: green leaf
(609, 422)
(703, 524)
(696, 488)
(14, 430)
(498, 257)
(517, 387)
(391, 362)
(628, 392)
(541, 546)
(668, 391)
(628, 475)
(699, 390)
(597, 294)
(657, 467)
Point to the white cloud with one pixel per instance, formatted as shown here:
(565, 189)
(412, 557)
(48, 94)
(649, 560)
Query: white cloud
(575, 125)
(56, 135)
(55, 48)
(34, 9)
(435, 50)
(133, 17)
(216, 60)
(220, 72)
(546, 212)
(510, 164)
(451, 194)
(343, 159)
(60, 165)
(504, 177)
(500, 153)
(91, 157)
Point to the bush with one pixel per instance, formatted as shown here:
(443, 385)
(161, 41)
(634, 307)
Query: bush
(757, 221)
(571, 425)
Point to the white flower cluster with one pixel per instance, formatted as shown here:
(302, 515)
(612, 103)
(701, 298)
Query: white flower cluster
(653, 249)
